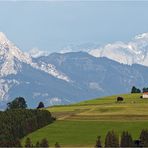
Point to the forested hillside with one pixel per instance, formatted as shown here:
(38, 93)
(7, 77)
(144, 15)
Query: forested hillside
(16, 123)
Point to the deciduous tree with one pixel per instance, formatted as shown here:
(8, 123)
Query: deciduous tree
(17, 103)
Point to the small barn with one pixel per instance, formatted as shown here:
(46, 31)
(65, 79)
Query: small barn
(145, 95)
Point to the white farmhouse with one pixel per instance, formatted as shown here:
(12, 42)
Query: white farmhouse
(145, 95)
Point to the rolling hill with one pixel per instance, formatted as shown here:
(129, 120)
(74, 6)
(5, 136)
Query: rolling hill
(80, 124)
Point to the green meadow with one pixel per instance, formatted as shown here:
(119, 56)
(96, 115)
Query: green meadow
(80, 124)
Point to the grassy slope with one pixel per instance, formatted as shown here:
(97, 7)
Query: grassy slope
(107, 108)
(79, 124)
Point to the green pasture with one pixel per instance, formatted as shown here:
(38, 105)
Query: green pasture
(79, 124)
(84, 133)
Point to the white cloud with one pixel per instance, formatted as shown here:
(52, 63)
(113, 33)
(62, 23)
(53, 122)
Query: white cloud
(35, 52)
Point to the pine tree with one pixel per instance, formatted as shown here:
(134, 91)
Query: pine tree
(108, 140)
(145, 89)
(98, 142)
(144, 138)
(44, 143)
(111, 140)
(138, 91)
(135, 90)
(126, 140)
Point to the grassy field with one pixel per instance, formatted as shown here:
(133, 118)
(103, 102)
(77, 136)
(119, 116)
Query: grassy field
(83, 133)
(79, 124)
(132, 108)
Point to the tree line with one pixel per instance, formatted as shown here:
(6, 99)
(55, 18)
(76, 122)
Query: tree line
(137, 90)
(111, 140)
(42, 143)
(17, 121)
(126, 140)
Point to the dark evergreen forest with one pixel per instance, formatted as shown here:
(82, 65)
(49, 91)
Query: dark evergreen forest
(18, 122)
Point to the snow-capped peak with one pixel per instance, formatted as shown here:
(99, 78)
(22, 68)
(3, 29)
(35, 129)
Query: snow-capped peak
(135, 51)
(11, 58)
(3, 38)
(8, 54)
(9, 51)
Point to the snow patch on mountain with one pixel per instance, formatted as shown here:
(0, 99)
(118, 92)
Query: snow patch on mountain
(51, 69)
(11, 59)
(9, 53)
(5, 86)
(135, 51)
(95, 86)
(57, 101)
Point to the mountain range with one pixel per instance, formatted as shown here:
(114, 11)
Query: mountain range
(62, 78)
(134, 51)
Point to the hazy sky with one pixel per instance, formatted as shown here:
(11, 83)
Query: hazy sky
(54, 25)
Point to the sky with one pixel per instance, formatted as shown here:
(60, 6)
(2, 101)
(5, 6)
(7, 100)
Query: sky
(55, 25)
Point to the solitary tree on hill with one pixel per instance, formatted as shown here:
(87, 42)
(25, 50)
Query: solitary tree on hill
(41, 105)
